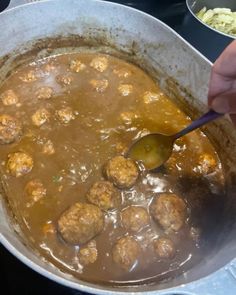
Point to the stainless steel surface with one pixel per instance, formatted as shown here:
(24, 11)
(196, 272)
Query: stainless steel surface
(182, 72)
(15, 3)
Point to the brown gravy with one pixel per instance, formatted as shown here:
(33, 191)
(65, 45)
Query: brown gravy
(68, 157)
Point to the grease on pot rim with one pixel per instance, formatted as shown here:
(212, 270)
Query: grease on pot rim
(87, 208)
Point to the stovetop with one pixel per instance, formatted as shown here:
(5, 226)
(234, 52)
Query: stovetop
(14, 275)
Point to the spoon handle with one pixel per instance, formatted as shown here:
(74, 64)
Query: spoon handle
(207, 117)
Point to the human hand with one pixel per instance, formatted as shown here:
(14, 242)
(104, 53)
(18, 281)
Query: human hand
(222, 87)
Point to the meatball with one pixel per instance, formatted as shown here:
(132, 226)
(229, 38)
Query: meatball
(80, 223)
(9, 98)
(10, 129)
(64, 80)
(134, 218)
(31, 76)
(19, 164)
(35, 190)
(170, 211)
(77, 66)
(207, 164)
(48, 148)
(65, 115)
(122, 172)
(122, 73)
(40, 117)
(44, 92)
(99, 63)
(88, 254)
(126, 252)
(150, 97)
(104, 195)
(99, 85)
(164, 248)
(125, 89)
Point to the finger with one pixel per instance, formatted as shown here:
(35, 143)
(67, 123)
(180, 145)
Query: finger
(218, 85)
(223, 73)
(226, 63)
(225, 103)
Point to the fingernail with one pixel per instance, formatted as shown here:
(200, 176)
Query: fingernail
(220, 105)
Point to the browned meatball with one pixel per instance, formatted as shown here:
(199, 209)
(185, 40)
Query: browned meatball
(164, 248)
(150, 97)
(77, 66)
(134, 218)
(9, 98)
(88, 254)
(64, 80)
(40, 117)
(10, 129)
(121, 171)
(99, 85)
(126, 252)
(99, 63)
(31, 76)
(44, 92)
(104, 195)
(35, 190)
(170, 211)
(65, 115)
(125, 89)
(80, 223)
(19, 164)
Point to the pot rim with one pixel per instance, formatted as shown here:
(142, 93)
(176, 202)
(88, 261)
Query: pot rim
(184, 289)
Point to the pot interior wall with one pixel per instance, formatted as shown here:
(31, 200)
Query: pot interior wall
(181, 71)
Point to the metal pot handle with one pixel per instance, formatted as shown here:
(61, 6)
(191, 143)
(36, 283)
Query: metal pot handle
(222, 282)
(15, 3)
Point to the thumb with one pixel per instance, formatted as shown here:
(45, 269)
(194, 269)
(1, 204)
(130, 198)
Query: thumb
(225, 103)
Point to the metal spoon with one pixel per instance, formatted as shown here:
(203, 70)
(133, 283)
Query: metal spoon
(153, 150)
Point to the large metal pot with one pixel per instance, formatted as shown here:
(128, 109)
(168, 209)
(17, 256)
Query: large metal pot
(183, 73)
(209, 41)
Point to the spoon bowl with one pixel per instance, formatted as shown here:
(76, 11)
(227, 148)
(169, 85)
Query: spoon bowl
(154, 149)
